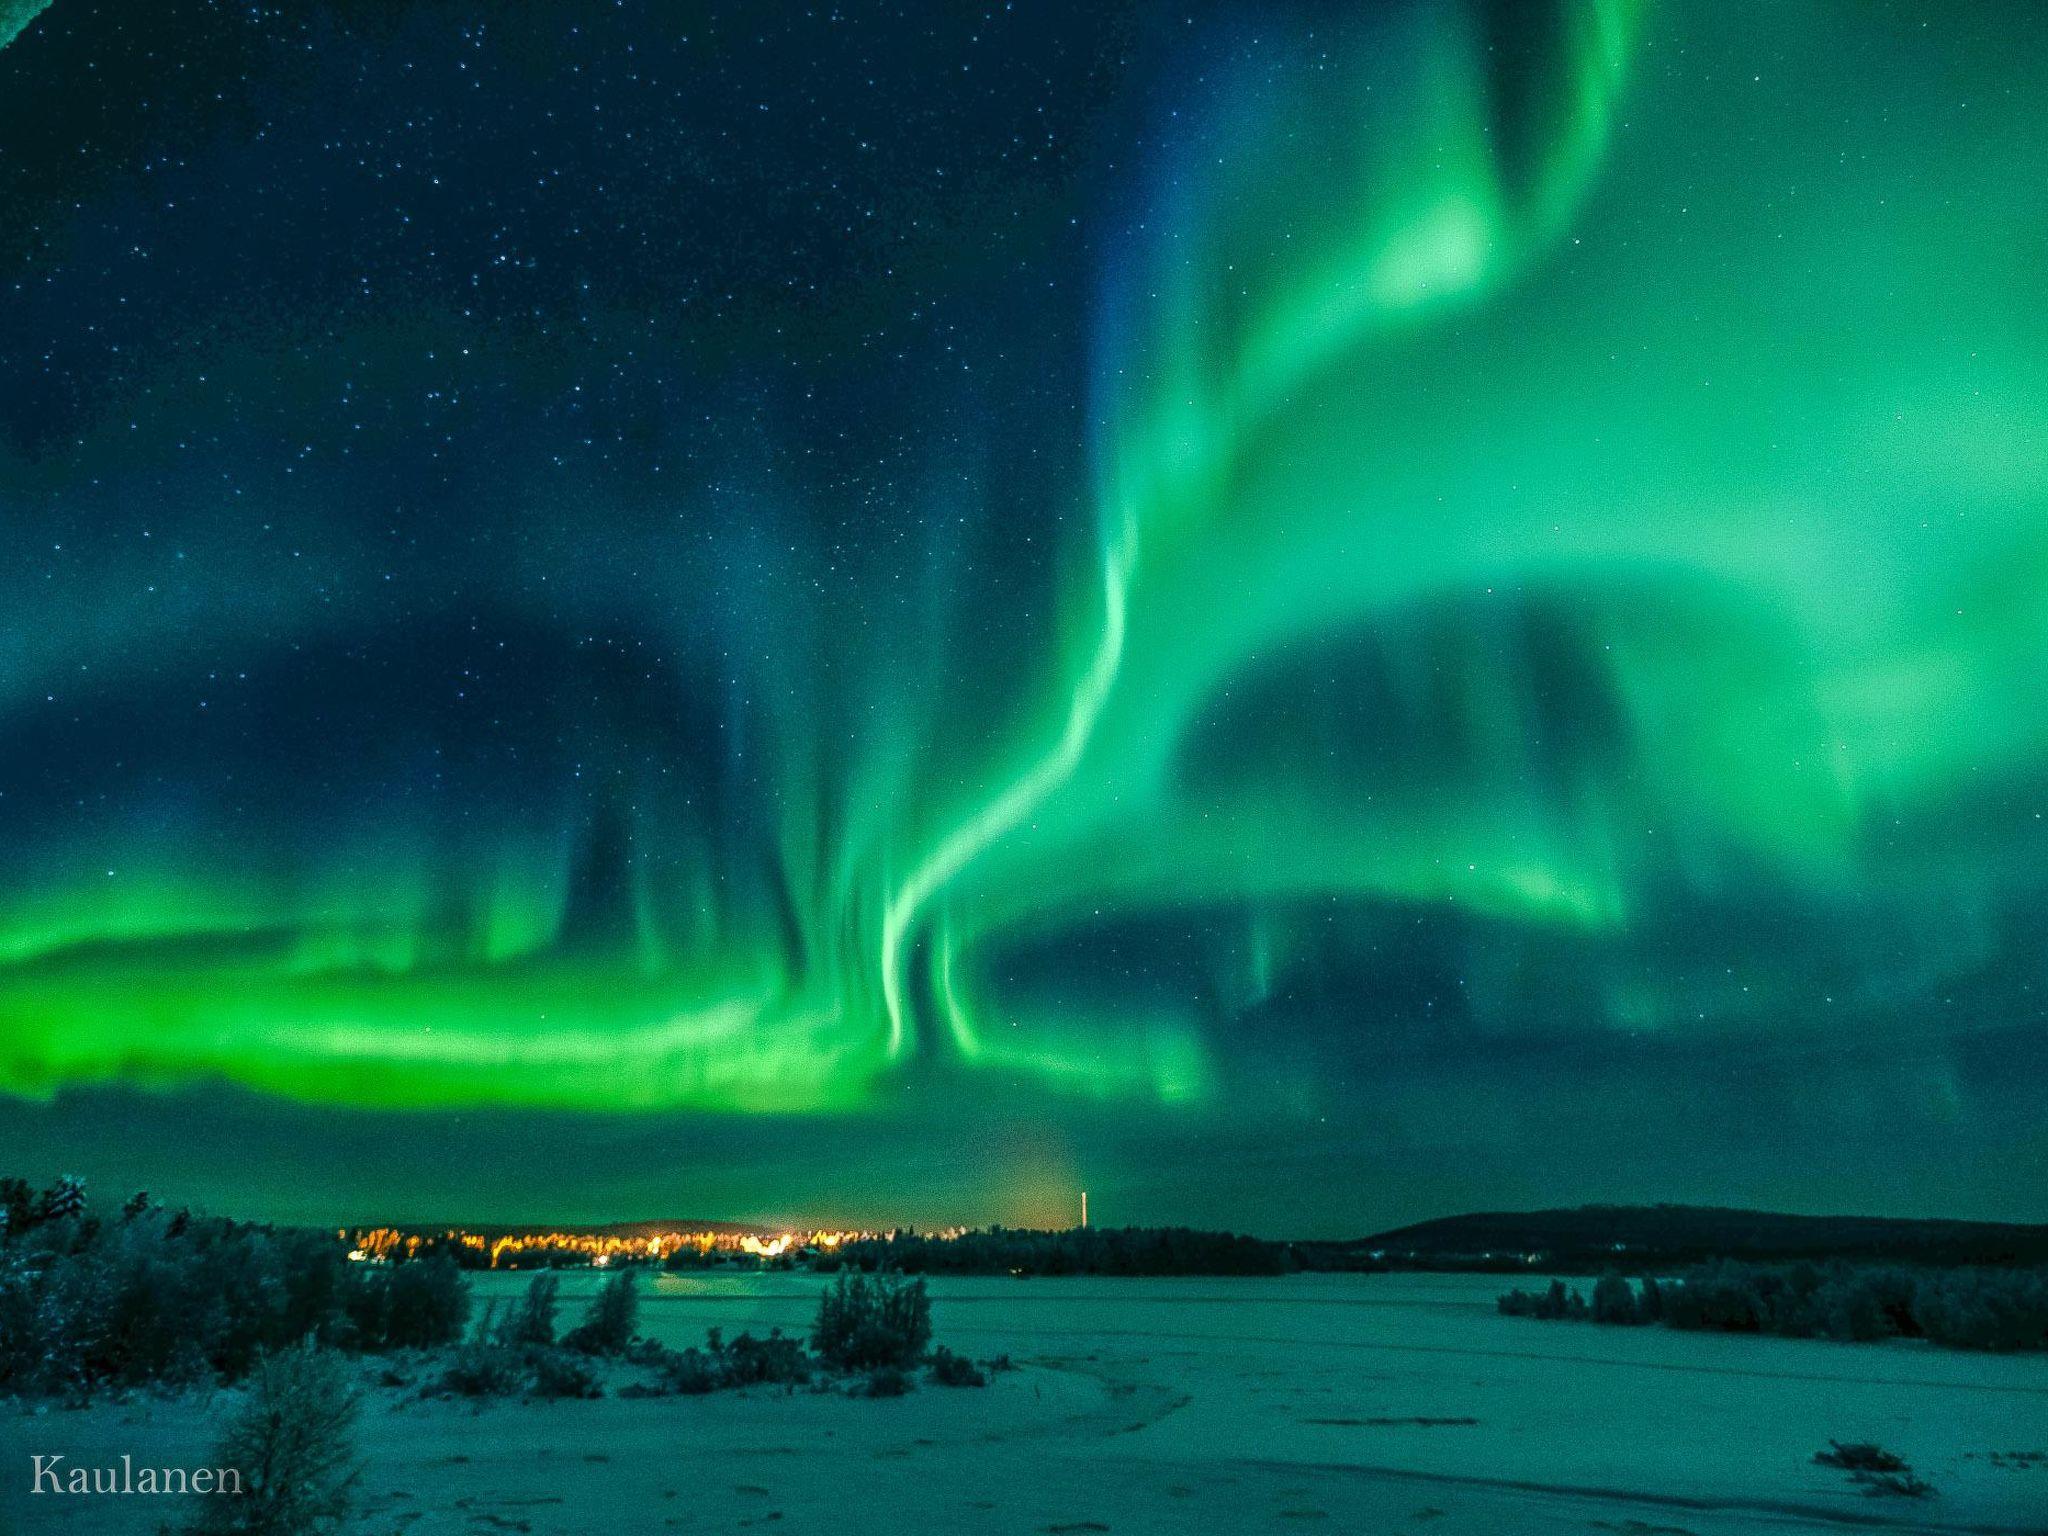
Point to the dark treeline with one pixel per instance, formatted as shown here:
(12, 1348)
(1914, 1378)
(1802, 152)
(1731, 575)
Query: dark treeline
(1590, 1239)
(1587, 1240)
(1994, 1309)
(1079, 1251)
(149, 1295)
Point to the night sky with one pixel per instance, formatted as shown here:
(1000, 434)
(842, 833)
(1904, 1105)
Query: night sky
(1299, 615)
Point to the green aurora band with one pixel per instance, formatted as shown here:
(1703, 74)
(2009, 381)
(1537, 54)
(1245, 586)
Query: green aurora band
(1529, 482)
(15, 15)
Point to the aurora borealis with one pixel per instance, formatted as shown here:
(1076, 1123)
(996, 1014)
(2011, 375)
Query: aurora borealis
(1305, 613)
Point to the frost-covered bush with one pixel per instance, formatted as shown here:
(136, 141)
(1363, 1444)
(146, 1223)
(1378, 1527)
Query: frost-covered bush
(1550, 1306)
(531, 1321)
(557, 1373)
(1984, 1309)
(614, 1313)
(866, 1321)
(884, 1381)
(291, 1441)
(155, 1296)
(773, 1361)
(425, 1302)
(483, 1370)
(1998, 1309)
(691, 1373)
(1614, 1301)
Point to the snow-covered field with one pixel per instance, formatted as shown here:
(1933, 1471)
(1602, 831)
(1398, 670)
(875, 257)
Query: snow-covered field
(1353, 1403)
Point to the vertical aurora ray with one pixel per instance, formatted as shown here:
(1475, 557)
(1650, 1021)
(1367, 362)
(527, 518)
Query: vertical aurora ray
(1229, 331)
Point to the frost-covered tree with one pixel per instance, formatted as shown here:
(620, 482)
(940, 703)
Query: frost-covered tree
(64, 1199)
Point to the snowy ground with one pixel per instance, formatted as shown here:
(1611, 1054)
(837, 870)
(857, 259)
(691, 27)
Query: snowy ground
(1352, 1403)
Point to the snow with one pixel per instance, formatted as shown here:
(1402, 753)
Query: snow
(1377, 1402)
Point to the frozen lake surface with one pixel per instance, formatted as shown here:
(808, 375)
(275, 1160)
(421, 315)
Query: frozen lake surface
(1383, 1403)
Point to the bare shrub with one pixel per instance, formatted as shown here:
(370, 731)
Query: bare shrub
(1860, 1456)
(1880, 1473)
(950, 1370)
(292, 1442)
